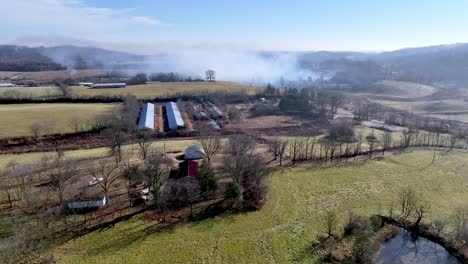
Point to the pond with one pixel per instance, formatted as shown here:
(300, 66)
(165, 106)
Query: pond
(407, 249)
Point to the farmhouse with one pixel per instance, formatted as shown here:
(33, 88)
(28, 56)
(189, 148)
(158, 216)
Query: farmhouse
(174, 118)
(146, 120)
(108, 85)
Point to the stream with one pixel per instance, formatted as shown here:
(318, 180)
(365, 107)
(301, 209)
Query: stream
(404, 248)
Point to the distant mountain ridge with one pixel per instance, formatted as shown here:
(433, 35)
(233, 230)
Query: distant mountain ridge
(446, 63)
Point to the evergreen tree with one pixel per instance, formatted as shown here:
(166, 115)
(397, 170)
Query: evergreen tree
(206, 178)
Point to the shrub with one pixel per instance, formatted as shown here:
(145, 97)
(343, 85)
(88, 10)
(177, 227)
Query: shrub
(232, 191)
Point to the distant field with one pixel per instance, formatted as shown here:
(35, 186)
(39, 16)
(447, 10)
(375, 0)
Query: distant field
(168, 89)
(16, 119)
(401, 89)
(281, 231)
(51, 75)
(29, 92)
(428, 106)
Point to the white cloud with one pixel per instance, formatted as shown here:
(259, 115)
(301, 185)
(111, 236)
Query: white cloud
(74, 18)
(146, 20)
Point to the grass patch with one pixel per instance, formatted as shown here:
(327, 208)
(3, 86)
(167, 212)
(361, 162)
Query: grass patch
(167, 89)
(16, 119)
(401, 89)
(281, 231)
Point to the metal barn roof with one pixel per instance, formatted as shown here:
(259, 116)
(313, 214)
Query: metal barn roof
(146, 120)
(194, 152)
(87, 204)
(109, 85)
(174, 118)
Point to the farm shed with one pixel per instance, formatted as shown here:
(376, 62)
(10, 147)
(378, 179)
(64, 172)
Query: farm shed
(146, 120)
(188, 168)
(109, 85)
(174, 118)
(382, 126)
(87, 204)
(89, 84)
(194, 152)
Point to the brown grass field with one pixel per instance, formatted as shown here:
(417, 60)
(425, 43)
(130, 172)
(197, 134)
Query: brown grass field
(16, 119)
(168, 89)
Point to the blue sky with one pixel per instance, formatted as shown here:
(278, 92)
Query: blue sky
(254, 24)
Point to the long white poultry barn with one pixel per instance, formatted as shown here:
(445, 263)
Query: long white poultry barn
(146, 120)
(174, 118)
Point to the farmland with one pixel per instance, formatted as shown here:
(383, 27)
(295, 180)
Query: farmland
(29, 92)
(167, 89)
(280, 231)
(16, 119)
(401, 89)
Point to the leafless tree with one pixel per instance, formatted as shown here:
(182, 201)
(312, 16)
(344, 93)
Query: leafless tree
(156, 172)
(439, 225)
(407, 198)
(386, 141)
(420, 210)
(76, 123)
(460, 221)
(371, 141)
(211, 143)
(143, 140)
(282, 150)
(36, 130)
(192, 190)
(115, 138)
(210, 75)
(330, 221)
(105, 174)
(274, 146)
(60, 173)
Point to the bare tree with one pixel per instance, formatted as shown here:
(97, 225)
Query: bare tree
(460, 221)
(439, 225)
(192, 190)
(330, 221)
(407, 198)
(372, 141)
(36, 130)
(143, 140)
(60, 173)
(274, 146)
(386, 141)
(115, 138)
(420, 209)
(105, 174)
(212, 144)
(210, 75)
(156, 173)
(76, 123)
(282, 150)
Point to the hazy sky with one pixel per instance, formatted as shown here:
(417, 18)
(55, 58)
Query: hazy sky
(152, 26)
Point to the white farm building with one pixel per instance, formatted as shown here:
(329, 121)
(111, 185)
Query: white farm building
(174, 118)
(108, 85)
(146, 120)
